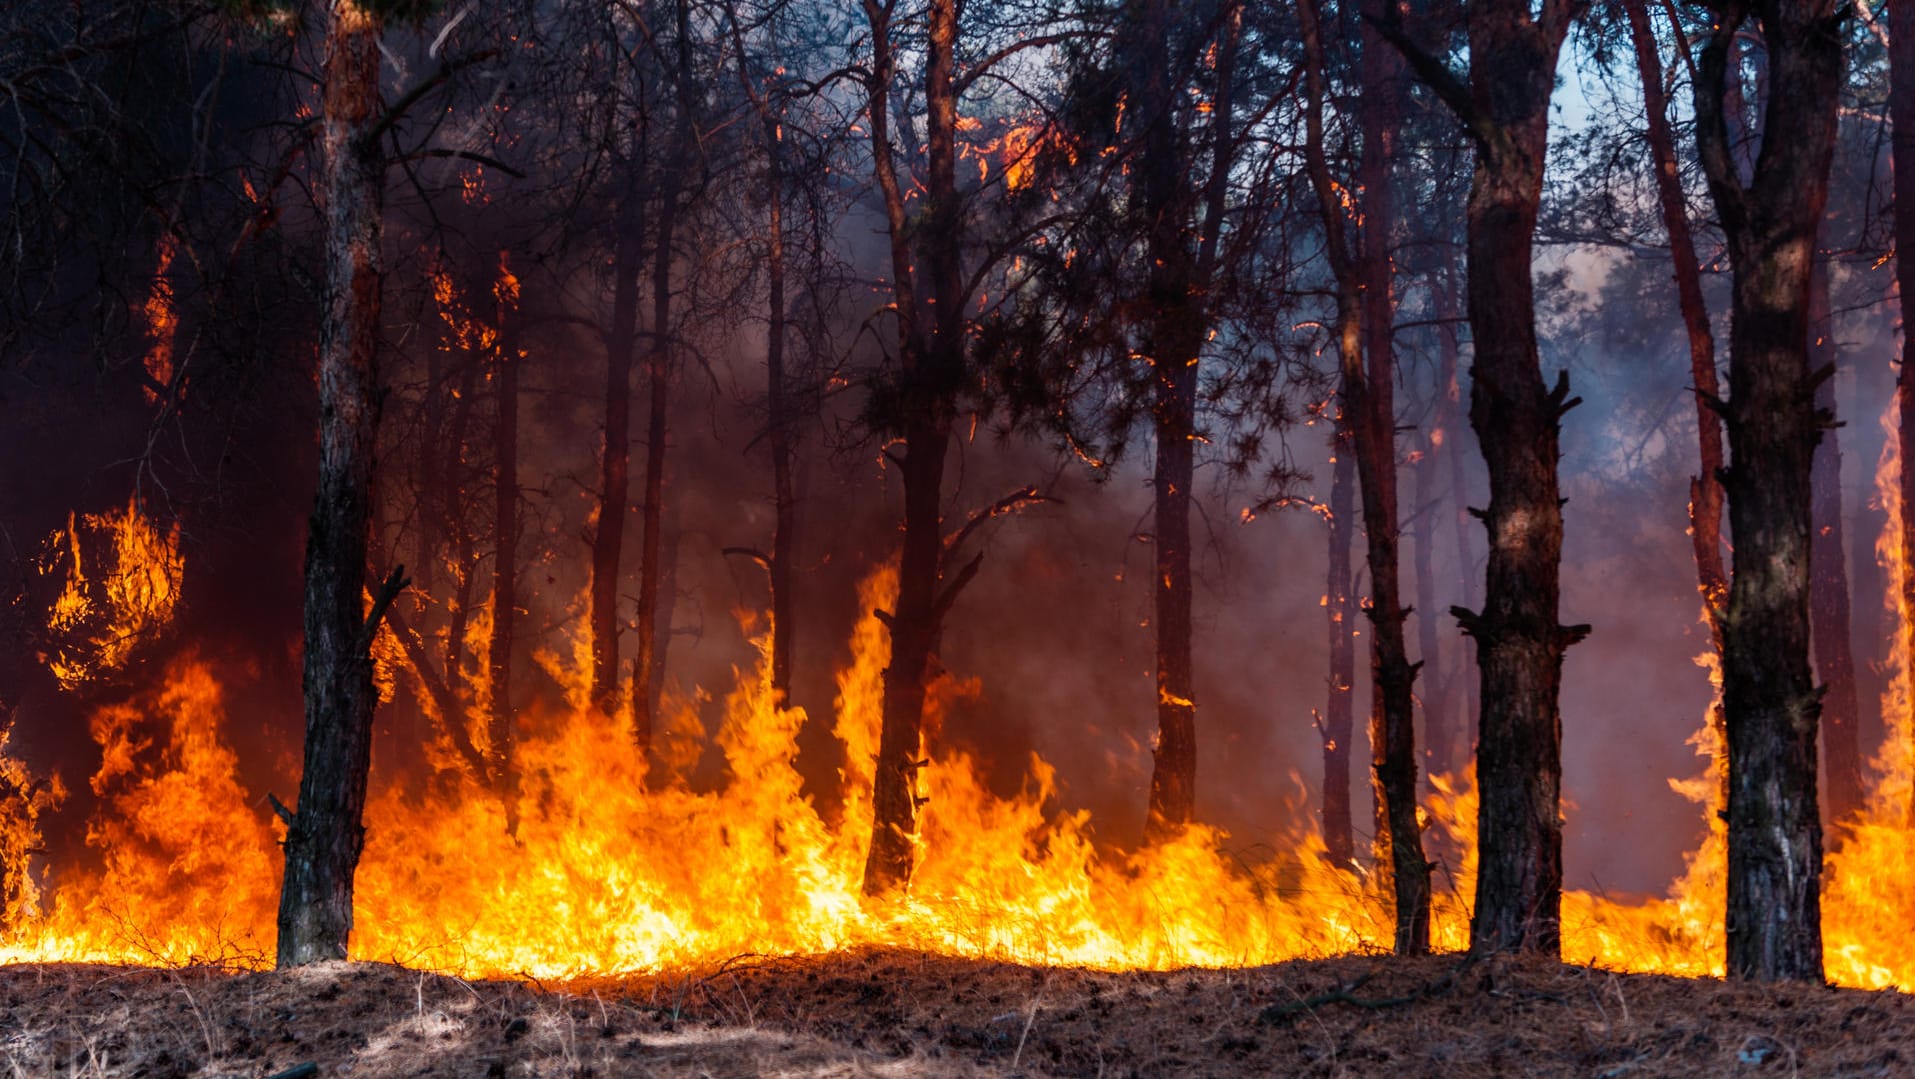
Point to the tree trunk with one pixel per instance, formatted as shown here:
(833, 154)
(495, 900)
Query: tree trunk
(1171, 346)
(931, 370)
(1365, 349)
(1769, 698)
(1393, 675)
(1829, 582)
(1173, 779)
(671, 531)
(652, 521)
(325, 834)
(1519, 643)
(1449, 419)
(1705, 489)
(646, 680)
(1338, 716)
(1438, 708)
(505, 565)
(463, 547)
(1901, 110)
(784, 536)
(431, 478)
(608, 539)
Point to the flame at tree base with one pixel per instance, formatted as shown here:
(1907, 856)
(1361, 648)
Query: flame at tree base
(607, 876)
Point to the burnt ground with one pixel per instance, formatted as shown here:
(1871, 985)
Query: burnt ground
(886, 1013)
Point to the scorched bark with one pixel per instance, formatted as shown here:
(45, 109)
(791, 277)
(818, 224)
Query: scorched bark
(324, 833)
(1770, 702)
(1519, 642)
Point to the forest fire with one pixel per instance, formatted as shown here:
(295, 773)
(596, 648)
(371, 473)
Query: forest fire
(593, 493)
(607, 874)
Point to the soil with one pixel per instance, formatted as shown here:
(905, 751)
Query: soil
(890, 1013)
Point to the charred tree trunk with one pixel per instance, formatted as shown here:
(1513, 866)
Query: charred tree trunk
(931, 359)
(1339, 712)
(778, 419)
(463, 548)
(1393, 676)
(1829, 581)
(1519, 643)
(646, 680)
(1901, 107)
(1173, 777)
(432, 482)
(671, 532)
(1438, 708)
(652, 514)
(784, 536)
(1172, 342)
(325, 834)
(1449, 420)
(1770, 701)
(1177, 291)
(1365, 351)
(1448, 436)
(505, 575)
(608, 539)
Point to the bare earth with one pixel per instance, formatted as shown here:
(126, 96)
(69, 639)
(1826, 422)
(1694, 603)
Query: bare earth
(899, 1013)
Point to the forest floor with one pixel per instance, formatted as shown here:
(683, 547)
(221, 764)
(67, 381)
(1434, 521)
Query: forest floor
(888, 1013)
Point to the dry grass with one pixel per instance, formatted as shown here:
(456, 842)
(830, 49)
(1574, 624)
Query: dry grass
(880, 1013)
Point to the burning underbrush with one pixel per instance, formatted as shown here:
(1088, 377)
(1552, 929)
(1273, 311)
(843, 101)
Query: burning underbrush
(604, 870)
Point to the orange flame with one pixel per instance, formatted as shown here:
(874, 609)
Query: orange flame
(101, 615)
(610, 872)
(162, 322)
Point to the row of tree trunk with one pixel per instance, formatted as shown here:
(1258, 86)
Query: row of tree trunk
(1760, 612)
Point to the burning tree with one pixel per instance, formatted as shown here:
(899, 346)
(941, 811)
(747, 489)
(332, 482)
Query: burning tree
(324, 833)
(931, 300)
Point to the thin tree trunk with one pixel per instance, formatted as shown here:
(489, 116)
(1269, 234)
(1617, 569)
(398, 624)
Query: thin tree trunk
(1901, 108)
(505, 571)
(784, 536)
(1393, 675)
(1769, 697)
(1870, 631)
(1829, 582)
(1177, 302)
(646, 679)
(778, 420)
(325, 834)
(1365, 351)
(931, 368)
(671, 531)
(462, 543)
(1438, 709)
(1339, 712)
(1705, 489)
(608, 539)
(1449, 420)
(432, 482)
